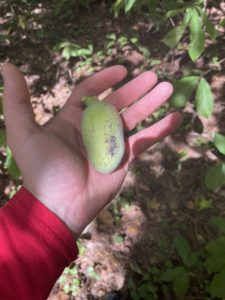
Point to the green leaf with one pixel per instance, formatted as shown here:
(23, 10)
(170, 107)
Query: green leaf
(204, 203)
(117, 6)
(172, 38)
(83, 52)
(146, 52)
(66, 53)
(181, 283)
(182, 248)
(215, 177)
(134, 40)
(197, 37)
(215, 263)
(110, 44)
(10, 164)
(217, 246)
(2, 138)
(183, 89)
(219, 142)
(209, 27)
(81, 248)
(219, 222)
(155, 62)
(111, 36)
(217, 287)
(204, 99)
(174, 12)
(122, 41)
(128, 5)
(193, 259)
(171, 274)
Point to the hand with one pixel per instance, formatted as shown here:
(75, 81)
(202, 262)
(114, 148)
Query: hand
(52, 158)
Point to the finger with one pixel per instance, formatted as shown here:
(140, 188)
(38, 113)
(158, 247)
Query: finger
(133, 90)
(142, 140)
(97, 83)
(148, 104)
(18, 112)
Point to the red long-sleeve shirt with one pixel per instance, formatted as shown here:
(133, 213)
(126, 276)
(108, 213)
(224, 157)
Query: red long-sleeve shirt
(35, 247)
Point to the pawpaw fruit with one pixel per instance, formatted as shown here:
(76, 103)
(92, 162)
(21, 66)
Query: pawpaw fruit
(102, 134)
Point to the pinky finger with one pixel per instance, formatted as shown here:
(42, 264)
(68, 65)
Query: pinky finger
(147, 137)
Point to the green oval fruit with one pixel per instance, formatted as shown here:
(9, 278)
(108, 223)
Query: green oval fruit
(102, 133)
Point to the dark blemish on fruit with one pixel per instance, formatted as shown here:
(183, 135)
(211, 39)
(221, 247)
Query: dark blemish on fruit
(112, 145)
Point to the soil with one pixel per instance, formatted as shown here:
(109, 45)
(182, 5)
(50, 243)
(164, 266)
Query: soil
(162, 190)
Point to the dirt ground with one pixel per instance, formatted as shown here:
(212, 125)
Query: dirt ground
(164, 187)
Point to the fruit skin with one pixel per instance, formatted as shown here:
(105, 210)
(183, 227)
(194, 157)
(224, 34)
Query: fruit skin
(102, 133)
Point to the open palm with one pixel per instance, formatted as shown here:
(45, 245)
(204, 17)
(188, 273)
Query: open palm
(52, 158)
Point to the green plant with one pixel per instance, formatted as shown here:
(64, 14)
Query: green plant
(215, 262)
(9, 162)
(73, 50)
(185, 270)
(145, 289)
(69, 281)
(114, 41)
(184, 89)
(191, 15)
(81, 248)
(215, 176)
(179, 276)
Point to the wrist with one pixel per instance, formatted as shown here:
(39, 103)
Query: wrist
(63, 216)
(60, 211)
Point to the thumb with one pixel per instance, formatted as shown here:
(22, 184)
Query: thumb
(18, 112)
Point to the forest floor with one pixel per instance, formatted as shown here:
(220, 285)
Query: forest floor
(164, 192)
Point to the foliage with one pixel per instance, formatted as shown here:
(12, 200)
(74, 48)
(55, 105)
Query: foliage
(184, 89)
(215, 263)
(191, 15)
(185, 270)
(74, 50)
(89, 56)
(9, 163)
(215, 176)
(69, 281)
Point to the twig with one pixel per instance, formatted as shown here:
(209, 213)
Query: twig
(210, 70)
(171, 20)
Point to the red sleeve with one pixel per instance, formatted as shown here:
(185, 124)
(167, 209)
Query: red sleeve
(35, 247)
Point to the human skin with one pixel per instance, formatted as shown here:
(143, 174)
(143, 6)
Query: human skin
(52, 157)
